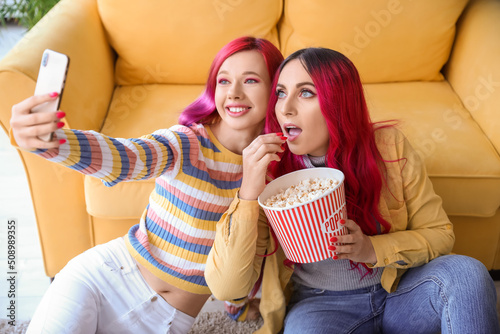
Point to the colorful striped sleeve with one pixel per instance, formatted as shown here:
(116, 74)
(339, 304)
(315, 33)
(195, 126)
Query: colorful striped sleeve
(114, 160)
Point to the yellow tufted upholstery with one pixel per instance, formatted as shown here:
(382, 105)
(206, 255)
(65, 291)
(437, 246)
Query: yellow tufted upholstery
(432, 65)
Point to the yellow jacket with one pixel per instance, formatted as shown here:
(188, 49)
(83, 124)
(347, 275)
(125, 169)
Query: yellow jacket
(420, 231)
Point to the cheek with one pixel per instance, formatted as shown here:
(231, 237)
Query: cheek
(324, 135)
(262, 98)
(219, 97)
(277, 108)
(320, 135)
(279, 116)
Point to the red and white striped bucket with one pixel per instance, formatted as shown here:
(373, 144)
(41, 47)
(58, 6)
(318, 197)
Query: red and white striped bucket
(304, 230)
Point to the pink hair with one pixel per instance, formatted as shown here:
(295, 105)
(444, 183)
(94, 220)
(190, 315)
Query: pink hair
(203, 109)
(352, 148)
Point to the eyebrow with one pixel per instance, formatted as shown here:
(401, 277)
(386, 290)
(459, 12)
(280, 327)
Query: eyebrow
(298, 85)
(244, 73)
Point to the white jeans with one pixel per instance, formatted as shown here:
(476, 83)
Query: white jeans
(102, 291)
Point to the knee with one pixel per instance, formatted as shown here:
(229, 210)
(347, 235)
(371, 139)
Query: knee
(459, 268)
(469, 267)
(297, 321)
(294, 325)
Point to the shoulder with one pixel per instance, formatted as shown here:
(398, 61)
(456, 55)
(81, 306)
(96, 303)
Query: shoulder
(393, 145)
(387, 134)
(390, 140)
(192, 131)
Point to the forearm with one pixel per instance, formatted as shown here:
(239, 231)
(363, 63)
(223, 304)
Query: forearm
(233, 265)
(410, 248)
(112, 160)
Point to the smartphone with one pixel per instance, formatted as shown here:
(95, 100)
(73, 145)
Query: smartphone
(51, 78)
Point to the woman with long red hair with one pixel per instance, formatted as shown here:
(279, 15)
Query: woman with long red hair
(392, 272)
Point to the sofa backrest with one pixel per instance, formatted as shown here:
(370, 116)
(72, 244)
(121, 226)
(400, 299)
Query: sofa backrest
(387, 40)
(174, 42)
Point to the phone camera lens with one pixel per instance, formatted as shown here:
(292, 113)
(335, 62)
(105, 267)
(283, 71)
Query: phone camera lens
(45, 59)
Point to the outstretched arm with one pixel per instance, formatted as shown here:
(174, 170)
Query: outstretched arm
(111, 159)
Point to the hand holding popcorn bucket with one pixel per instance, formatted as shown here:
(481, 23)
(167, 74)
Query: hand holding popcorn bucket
(304, 229)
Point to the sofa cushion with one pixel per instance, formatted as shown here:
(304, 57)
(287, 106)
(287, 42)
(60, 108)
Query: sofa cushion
(175, 41)
(135, 111)
(461, 162)
(388, 40)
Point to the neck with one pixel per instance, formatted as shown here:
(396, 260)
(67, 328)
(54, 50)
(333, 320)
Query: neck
(233, 139)
(318, 161)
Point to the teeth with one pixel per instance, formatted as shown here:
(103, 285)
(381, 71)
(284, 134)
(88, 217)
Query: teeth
(239, 109)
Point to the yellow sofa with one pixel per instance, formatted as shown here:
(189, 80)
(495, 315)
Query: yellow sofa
(433, 65)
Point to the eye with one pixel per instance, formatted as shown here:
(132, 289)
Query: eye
(223, 82)
(280, 94)
(306, 93)
(251, 81)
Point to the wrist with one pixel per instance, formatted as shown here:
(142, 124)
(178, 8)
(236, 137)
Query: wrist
(247, 196)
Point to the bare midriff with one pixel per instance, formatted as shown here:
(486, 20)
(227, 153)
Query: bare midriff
(186, 302)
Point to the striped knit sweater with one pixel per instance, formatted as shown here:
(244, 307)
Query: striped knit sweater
(196, 180)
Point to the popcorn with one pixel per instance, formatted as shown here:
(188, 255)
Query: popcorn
(305, 191)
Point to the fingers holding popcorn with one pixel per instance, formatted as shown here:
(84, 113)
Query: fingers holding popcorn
(256, 158)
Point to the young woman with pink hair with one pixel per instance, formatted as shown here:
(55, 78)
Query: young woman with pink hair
(152, 279)
(393, 272)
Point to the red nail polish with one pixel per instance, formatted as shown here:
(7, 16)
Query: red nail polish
(333, 239)
(62, 141)
(60, 114)
(54, 94)
(342, 222)
(335, 257)
(331, 247)
(60, 125)
(279, 134)
(283, 138)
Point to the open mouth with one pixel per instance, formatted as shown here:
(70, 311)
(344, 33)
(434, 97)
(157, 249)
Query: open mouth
(292, 131)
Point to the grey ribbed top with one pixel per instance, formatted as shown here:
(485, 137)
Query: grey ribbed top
(329, 274)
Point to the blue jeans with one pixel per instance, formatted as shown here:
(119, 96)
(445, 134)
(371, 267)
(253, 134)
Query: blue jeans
(451, 294)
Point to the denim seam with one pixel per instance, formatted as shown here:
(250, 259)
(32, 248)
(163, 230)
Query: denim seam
(373, 315)
(441, 294)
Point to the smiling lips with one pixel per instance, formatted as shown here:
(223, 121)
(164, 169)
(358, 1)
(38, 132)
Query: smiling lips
(292, 131)
(237, 110)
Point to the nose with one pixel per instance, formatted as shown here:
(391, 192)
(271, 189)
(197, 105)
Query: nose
(235, 91)
(286, 107)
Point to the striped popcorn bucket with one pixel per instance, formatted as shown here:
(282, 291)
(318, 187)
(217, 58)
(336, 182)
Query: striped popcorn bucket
(304, 230)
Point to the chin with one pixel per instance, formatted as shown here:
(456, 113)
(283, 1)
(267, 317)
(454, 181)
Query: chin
(296, 151)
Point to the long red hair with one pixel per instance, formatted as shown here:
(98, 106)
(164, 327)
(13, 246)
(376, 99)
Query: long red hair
(352, 148)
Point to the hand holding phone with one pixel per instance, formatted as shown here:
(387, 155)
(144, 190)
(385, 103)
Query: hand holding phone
(51, 78)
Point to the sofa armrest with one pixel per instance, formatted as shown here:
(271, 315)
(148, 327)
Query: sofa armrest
(72, 27)
(473, 69)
